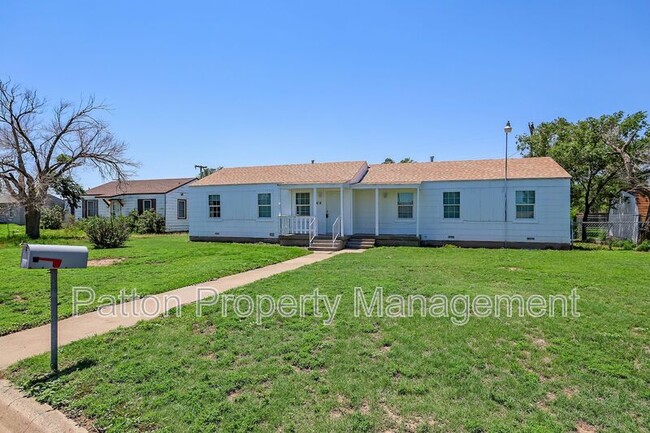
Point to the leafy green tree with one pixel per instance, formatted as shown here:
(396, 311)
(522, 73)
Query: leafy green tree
(629, 138)
(69, 190)
(388, 161)
(407, 161)
(580, 148)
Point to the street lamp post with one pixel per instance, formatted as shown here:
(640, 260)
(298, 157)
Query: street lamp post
(507, 129)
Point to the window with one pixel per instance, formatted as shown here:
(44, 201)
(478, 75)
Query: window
(451, 204)
(303, 204)
(181, 209)
(525, 202)
(264, 205)
(90, 208)
(146, 204)
(405, 205)
(214, 205)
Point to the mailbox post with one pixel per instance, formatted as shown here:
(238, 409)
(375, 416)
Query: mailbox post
(53, 258)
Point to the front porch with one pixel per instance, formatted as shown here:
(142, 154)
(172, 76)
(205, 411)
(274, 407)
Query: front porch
(388, 215)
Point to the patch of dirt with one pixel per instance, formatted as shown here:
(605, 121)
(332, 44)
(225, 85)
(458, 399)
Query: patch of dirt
(204, 330)
(583, 427)
(18, 298)
(570, 392)
(540, 342)
(98, 263)
(343, 409)
(550, 396)
(512, 268)
(232, 395)
(385, 348)
(408, 424)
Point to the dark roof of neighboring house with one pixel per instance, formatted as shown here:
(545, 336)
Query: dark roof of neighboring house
(485, 169)
(131, 187)
(316, 173)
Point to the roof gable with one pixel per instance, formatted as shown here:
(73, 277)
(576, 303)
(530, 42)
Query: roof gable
(130, 187)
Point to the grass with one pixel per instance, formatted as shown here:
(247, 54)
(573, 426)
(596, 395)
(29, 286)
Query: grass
(214, 373)
(150, 264)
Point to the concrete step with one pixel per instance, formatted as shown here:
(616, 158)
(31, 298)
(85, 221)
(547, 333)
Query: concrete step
(361, 243)
(325, 244)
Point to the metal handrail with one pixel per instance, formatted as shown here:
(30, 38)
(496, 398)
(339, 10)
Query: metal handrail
(312, 230)
(336, 233)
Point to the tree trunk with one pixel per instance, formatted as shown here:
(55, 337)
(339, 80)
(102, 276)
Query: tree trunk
(585, 217)
(33, 223)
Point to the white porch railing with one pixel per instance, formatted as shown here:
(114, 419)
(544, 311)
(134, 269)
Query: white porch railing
(336, 230)
(299, 225)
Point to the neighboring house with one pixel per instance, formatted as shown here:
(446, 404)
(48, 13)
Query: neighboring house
(626, 216)
(13, 212)
(168, 197)
(428, 203)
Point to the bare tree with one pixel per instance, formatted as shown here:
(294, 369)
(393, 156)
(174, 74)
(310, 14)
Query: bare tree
(35, 151)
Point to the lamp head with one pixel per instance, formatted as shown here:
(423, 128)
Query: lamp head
(507, 129)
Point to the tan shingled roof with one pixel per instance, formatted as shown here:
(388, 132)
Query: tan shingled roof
(151, 186)
(486, 169)
(318, 173)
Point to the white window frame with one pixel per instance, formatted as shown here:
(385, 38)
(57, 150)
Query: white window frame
(303, 206)
(522, 204)
(144, 204)
(95, 204)
(178, 214)
(264, 206)
(216, 207)
(405, 206)
(446, 206)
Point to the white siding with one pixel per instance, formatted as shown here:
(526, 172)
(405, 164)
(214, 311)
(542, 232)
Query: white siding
(482, 212)
(389, 223)
(239, 212)
(130, 202)
(172, 223)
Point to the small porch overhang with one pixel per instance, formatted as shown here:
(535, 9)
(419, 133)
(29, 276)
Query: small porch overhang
(393, 186)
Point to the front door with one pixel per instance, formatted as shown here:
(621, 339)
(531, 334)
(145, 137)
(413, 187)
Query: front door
(332, 209)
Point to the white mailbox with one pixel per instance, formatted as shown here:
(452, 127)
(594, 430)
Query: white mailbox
(53, 257)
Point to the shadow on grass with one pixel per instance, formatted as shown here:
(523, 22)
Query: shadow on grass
(54, 375)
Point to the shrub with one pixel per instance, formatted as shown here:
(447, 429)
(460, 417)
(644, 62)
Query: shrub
(624, 244)
(148, 221)
(52, 217)
(107, 232)
(643, 246)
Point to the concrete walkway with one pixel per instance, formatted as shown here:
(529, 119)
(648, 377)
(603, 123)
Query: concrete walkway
(24, 344)
(19, 413)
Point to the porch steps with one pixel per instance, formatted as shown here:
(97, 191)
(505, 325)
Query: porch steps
(325, 244)
(360, 243)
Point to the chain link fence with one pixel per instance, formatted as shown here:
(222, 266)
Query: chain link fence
(599, 231)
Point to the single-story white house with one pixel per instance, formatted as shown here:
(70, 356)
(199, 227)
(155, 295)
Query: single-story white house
(168, 197)
(11, 211)
(467, 203)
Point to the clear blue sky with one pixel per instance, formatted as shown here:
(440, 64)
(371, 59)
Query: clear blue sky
(246, 83)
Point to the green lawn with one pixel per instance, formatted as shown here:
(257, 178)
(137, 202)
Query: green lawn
(212, 373)
(150, 264)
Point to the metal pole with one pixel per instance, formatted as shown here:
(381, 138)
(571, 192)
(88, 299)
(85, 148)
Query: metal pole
(54, 326)
(505, 201)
